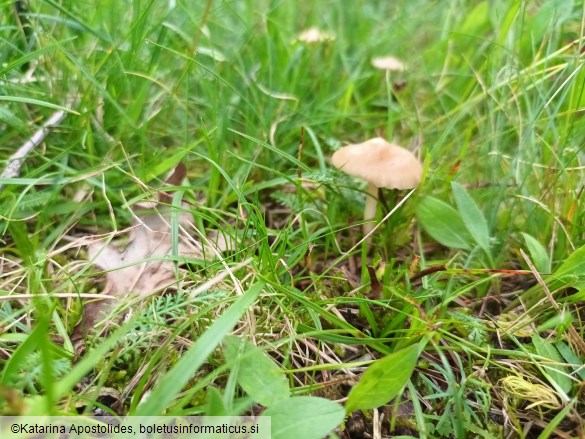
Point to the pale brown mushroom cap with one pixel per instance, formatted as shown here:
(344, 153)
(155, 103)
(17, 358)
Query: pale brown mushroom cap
(315, 35)
(388, 63)
(380, 163)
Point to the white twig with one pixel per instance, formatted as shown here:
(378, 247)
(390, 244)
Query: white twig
(17, 159)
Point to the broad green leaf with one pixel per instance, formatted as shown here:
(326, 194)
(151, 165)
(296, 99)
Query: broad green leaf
(383, 380)
(443, 223)
(538, 253)
(304, 417)
(472, 217)
(558, 374)
(258, 374)
(171, 384)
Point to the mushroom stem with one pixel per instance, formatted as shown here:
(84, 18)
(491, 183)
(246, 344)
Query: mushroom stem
(390, 116)
(370, 208)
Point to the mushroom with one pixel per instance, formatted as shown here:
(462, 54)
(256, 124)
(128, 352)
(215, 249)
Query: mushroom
(388, 63)
(382, 165)
(314, 35)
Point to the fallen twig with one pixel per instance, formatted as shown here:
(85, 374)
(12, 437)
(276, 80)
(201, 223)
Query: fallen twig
(16, 160)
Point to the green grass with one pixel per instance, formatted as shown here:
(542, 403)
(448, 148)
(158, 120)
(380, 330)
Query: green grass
(492, 99)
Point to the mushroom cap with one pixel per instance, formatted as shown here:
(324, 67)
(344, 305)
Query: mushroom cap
(380, 163)
(315, 35)
(388, 63)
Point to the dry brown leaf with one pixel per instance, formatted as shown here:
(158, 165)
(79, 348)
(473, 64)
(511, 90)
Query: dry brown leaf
(146, 265)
